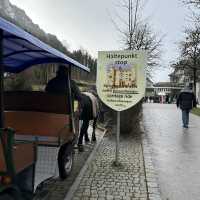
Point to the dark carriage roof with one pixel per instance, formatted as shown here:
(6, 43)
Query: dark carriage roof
(21, 50)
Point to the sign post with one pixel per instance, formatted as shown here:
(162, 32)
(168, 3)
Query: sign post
(120, 82)
(117, 140)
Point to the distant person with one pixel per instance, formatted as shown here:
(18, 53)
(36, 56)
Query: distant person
(167, 99)
(186, 101)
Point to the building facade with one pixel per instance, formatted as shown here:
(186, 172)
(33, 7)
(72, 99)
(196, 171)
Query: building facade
(121, 78)
(162, 92)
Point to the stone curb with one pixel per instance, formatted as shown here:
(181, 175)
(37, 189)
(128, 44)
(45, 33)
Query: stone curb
(77, 181)
(153, 188)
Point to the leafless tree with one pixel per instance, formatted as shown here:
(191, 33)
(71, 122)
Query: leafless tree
(137, 34)
(190, 52)
(193, 3)
(194, 7)
(145, 39)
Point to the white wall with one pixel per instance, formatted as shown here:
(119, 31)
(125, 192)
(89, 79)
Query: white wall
(198, 91)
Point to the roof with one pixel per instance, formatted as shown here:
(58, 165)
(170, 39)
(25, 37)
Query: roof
(163, 84)
(21, 50)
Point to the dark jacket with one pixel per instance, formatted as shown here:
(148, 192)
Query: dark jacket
(186, 100)
(59, 84)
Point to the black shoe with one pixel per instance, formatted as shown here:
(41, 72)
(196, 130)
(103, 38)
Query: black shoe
(87, 140)
(94, 136)
(80, 148)
(94, 139)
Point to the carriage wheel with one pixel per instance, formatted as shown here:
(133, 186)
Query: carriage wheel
(65, 160)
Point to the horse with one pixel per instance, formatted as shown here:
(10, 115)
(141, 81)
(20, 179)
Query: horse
(87, 101)
(89, 110)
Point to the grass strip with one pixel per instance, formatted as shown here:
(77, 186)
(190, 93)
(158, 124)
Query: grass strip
(196, 111)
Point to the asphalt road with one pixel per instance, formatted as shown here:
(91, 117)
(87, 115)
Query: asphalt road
(175, 151)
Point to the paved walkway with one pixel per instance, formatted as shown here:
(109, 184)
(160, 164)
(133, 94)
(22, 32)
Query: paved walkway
(176, 151)
(103, 181)
(56, 189)
(99, 179)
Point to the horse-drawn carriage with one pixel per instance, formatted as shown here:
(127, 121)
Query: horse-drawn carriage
(40, 123)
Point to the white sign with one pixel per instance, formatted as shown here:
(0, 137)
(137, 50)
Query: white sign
(121, 78)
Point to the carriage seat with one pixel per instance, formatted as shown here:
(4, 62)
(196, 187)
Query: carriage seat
(38, 114)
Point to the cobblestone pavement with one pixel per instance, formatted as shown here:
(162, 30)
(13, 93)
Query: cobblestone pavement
(97, 178)
(175, 151)
(54, 188)
(102, 180)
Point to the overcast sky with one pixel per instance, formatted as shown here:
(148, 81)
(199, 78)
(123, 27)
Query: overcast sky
(88, 24)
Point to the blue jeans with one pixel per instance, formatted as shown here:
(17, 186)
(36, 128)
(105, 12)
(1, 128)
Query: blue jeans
(185, 117)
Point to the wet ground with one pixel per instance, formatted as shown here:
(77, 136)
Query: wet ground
(95, 177)
(175, 151)
(56, 189)
(104, 181)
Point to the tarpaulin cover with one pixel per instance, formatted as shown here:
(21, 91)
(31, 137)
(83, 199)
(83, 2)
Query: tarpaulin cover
(22, 50)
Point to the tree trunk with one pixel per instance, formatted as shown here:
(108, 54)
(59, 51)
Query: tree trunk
(195, 79)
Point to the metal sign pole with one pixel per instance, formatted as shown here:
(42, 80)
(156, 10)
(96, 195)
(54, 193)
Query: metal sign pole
(1, 81)
(117, 140)
(70, 99)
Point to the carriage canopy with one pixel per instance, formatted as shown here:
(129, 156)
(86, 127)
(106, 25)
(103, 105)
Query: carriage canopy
(21, 50)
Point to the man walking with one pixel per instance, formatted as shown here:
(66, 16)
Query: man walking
(186, 101)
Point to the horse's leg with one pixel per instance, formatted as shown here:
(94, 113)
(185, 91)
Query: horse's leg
(86, 133)
(83, 131)
(94, 128)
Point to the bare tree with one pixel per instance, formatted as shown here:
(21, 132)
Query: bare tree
(190, 53)
(145, 39)
(195, 3)
(194, 7)
(137, 34)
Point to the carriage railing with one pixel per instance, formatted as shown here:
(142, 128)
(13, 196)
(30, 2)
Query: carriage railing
(14, 156)
(6, 156)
